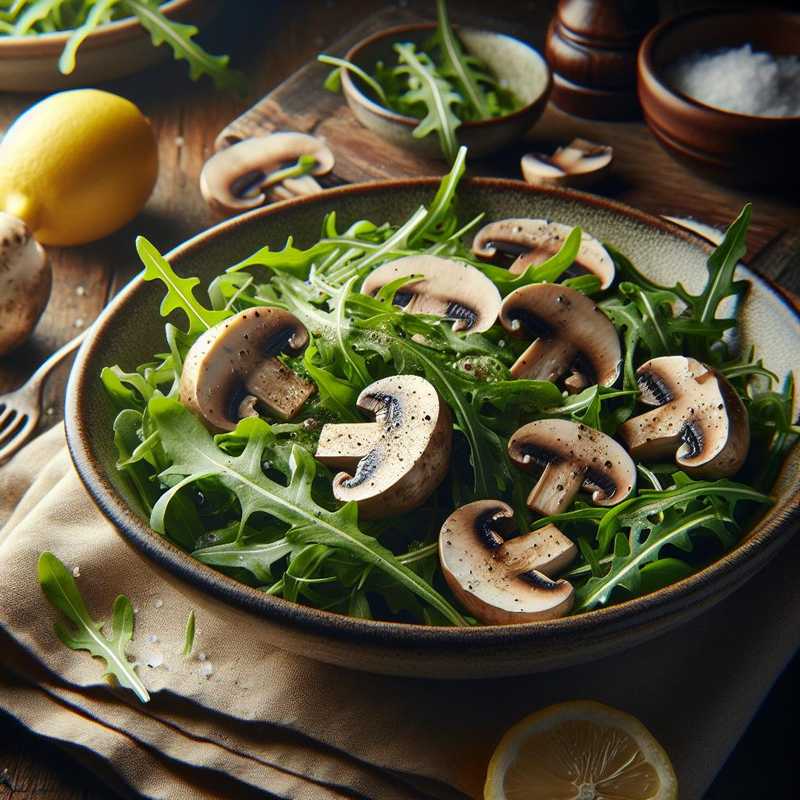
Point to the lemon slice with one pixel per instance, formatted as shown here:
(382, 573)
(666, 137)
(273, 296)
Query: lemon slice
(580, 751)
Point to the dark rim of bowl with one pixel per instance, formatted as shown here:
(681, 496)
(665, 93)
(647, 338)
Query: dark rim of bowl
(107, 28)
(765, 537)
(349, 84)
(663, 29)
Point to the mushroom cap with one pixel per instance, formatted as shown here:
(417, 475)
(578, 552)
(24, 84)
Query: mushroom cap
(230, 173)
(533, 241)
(504, 581)
(25, 282)
(580, 163)
(220, 363)
(570, 329)
(573, 456)
(400, 458)
(699, 418)
(451, 289)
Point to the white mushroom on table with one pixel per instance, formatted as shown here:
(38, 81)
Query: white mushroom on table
(450, 289)
(25, 281)
(391, 465)
(237, 178)
(502, 580)
(533, 241)
(699, 418)
(234, 367)
(570, 332)
(579, 164)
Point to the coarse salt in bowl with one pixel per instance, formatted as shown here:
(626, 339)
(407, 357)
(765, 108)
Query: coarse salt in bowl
(695, 76)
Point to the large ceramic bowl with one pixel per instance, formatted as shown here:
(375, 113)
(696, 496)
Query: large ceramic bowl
(30, 63)
(130, 330)
(728, 147)
(518, 65)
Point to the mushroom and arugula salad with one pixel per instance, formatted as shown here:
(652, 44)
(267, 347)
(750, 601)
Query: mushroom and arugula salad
(392, 423)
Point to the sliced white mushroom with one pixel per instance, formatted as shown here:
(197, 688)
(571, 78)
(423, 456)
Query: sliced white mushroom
(580, 164)
(450, 289)
(391, 465)
(235, 178)
(25, 281)
(699, 420)
(533, 241)
(571, 456)
(234, 367)
(571, 334)
(502, 580)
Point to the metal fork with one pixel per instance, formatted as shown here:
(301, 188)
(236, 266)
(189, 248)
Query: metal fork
(20, 411)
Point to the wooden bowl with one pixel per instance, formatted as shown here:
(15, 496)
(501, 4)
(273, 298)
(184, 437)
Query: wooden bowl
(728, 147)
(521, 66)
(130, 329)
(30, 63)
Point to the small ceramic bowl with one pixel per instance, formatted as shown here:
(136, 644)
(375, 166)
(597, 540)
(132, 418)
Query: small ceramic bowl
(518, 65)
(30, 63)
(130, 329)
(729, 147)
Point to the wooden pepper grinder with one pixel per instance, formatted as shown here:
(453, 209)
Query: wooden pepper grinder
(591, 47)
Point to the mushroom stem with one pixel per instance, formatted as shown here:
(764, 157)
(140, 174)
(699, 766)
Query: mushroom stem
(556, 489)
(280, 389)
(534, 551)
(544, 360)
(343, 445)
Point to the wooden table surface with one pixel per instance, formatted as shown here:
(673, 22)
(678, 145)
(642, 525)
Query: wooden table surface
(269, 41)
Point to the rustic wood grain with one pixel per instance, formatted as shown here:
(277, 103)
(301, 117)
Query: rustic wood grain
(271, 41)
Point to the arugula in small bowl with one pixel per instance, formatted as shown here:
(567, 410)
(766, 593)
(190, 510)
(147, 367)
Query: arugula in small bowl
(440, 80)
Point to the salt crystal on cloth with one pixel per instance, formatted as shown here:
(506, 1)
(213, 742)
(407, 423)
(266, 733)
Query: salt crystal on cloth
(739, 80)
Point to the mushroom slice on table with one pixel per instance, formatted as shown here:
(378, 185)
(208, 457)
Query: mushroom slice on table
(571, 334)
(393, 464)
(572, 457)
(234, 179)
(580, 163)
(449, 289)
(700, 419)
(234, 366)
(533, 241)
(505, 580)
(25, 281)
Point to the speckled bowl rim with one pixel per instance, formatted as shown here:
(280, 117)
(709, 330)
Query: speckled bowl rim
(119, 29)
(592, 626)
(349, 85)
(648, 70)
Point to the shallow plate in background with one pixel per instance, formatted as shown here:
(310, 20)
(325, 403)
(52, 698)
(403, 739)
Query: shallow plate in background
(131, 329)
(30, 63)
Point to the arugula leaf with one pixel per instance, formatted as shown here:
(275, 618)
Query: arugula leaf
(62, 592)
(333, 81)
(256, 557)
(98, 14)
(179, 37)
(195, 456)
(188, 634)
(180, 291)
(435, 93)
(454, 58)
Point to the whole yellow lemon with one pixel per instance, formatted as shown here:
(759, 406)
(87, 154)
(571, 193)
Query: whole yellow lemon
(77, 166)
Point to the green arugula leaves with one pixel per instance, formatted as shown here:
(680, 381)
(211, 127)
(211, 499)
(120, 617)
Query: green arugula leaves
(32, 17)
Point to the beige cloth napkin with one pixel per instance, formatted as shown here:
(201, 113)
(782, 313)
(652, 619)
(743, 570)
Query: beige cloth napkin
(260, 719)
